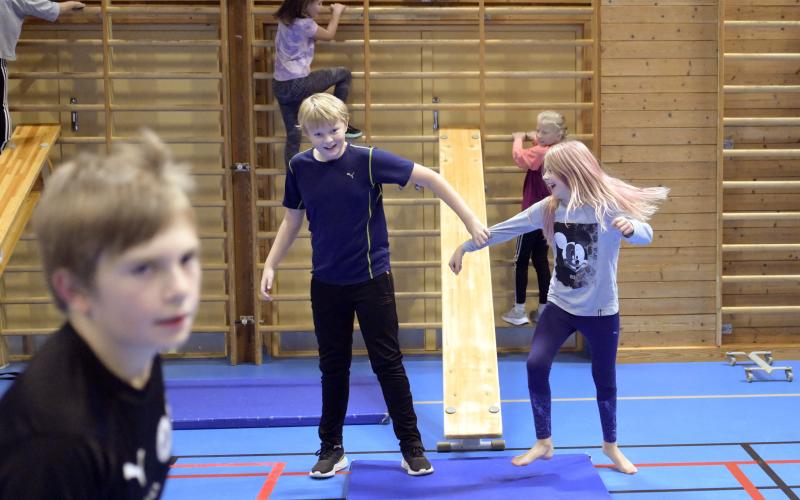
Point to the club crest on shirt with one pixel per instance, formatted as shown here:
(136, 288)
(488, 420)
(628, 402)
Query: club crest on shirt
(164, 439)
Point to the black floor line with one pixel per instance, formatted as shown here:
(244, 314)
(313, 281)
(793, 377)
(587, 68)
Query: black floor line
(770, 472)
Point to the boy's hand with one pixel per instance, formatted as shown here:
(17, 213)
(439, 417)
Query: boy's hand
(624, 226)
(455, 260)
(519, 135)
(337, 8)
(266, 283)
(480, 233)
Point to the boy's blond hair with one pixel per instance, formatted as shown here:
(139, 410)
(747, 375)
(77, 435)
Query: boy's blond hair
(100, 205)
(555, 119)
(322, 109)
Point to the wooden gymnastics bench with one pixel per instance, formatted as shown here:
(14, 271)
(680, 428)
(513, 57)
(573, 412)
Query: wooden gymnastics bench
(20, 168)
(469, 352)
(20, 184)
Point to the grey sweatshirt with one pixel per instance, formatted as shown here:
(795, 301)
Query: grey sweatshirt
(584, 280)
(12, 13)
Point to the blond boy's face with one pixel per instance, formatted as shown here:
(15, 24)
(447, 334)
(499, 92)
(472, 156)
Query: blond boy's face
(328, 140)
(147, 297)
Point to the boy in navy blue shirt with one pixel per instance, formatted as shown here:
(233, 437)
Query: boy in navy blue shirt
(338, 186)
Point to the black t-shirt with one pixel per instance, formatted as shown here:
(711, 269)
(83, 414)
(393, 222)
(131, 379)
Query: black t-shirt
(69, 428)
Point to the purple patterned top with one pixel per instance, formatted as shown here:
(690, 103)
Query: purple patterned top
(294, 49)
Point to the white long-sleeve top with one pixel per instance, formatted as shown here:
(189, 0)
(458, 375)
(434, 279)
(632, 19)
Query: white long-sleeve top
(12, 13)
(584, 278)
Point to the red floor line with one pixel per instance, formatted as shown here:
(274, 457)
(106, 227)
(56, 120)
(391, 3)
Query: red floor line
(232, 464)
(203, 476)
(271, 481)
(748, 486)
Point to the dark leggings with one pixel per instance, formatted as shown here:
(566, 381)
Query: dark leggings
(290, 95)
(5, 116)
(532, 247)
(554, 327)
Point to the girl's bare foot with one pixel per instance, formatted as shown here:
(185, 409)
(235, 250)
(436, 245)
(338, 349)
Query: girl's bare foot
(622, 464)
(542, 449)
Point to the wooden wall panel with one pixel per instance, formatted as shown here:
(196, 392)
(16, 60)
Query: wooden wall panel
(659, 127)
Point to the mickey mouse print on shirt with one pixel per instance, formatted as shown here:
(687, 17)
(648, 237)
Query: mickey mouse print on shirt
(576, 253)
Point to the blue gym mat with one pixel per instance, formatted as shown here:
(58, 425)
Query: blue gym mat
(228, 403)
(564, 476)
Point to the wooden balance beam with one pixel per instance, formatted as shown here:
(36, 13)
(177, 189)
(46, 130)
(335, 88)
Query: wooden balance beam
(21, 165)
(469, 350)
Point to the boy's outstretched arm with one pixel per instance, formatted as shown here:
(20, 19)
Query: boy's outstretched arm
(503, 231)
(425, 177)
(287, 232)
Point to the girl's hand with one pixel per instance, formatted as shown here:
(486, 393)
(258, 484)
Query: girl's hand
(337, 8)
(480, 233)
(266, 283)
(70, 6)
(624, 226)
(519, 135)
(455, 260)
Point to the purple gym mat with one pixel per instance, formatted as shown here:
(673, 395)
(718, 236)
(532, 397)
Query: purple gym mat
(246, 402)
(569, 477)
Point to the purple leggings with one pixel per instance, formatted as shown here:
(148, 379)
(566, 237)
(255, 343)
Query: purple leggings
(554, 327)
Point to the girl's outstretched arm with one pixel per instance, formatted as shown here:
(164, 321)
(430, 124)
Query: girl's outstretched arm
(504, 231)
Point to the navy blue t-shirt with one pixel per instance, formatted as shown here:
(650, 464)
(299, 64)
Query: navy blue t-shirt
(343, 200)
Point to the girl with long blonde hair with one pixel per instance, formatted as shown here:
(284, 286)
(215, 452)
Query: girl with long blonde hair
(587, 216)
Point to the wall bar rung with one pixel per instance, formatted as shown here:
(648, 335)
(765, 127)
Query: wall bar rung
(761, 153)
(761, 184)
(763, 56)
(760, 278)
(760, 216)
(760, 309)
(761, 89)
(759, 247)
(791, 121)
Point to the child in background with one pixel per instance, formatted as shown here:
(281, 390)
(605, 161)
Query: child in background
(12, 13)
(585, 218)
(339, 187)
(88, 418)
(294, 50)
(550, 129)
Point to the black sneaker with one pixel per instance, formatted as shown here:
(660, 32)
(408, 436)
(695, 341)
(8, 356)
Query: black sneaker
(415, 463)
(331, 459)
(353, 133)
